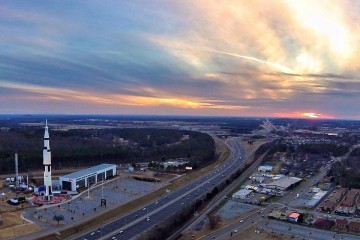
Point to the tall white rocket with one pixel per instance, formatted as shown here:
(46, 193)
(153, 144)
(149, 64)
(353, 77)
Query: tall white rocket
(47, 165)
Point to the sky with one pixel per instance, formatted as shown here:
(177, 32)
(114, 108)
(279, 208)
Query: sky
(268, 58)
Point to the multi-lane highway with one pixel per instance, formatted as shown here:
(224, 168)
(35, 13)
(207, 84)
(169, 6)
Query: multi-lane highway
(141, 220)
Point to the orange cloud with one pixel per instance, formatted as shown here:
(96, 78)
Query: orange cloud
(61, 94)
(312, 115)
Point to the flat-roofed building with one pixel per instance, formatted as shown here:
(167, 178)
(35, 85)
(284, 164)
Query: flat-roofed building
(294, 217)
(87, 177)
(265, 168)
(282, 184)
(242, 194)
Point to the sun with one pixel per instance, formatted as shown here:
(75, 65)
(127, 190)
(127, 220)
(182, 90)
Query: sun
(312, 115)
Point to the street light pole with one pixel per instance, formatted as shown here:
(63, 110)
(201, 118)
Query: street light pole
(102, 190)
(88, 187)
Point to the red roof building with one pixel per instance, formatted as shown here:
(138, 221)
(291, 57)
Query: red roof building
(341, 223)
(354, 226)
(324, 223)
(294, 217)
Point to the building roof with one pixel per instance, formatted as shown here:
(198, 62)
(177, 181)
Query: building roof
(324, 223)
(243, 192)
(294, 215)
(265, 167)
(350, 198)
(88, 171)
(285, 182)
(354, 226)
(341, 221)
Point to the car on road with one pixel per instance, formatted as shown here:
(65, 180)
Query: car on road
(235, 230)
(241, 220)
(121, 231)
(144, 208)
(148, 219)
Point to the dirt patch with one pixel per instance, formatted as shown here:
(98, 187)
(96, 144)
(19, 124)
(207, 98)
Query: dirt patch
(14, 226)
(250, 147)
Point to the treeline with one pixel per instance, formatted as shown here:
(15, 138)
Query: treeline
(324, 148)
(347, 172)
(345, 176)
(88, 147)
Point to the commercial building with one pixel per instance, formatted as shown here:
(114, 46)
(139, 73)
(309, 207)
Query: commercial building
(316, 198)
(341, 223)
(87, 177)
(334, 199)
(242, 194)
(294, 217)
(265, 168)
(282, 184)
(348, 205)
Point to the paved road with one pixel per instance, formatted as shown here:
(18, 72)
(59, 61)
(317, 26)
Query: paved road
(137, 222)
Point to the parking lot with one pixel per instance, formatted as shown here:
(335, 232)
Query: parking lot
(233, 209)
(87, 204)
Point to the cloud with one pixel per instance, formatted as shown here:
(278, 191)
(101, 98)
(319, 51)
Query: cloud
(234, 58)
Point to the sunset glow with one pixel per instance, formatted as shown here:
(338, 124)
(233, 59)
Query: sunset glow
(312, 115)
(271, 58)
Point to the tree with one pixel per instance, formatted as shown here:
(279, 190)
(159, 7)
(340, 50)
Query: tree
(58, 218)
(213, 221)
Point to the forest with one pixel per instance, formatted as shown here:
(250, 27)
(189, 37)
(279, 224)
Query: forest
(347, 173)
(88, 147)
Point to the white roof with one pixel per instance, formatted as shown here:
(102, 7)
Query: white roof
(266, 167)
(285, 182)
(89, 171)
(243, 192)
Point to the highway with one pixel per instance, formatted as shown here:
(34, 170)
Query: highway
(139, 221)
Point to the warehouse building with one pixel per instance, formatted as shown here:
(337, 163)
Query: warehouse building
(242, 194)
(87, 177)
(282, 184)
(265, 168)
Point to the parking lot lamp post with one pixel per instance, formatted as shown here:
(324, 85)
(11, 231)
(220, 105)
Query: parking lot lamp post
(102, 190)
(88, 187)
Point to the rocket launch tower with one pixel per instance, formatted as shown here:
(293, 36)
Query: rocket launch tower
(47, 165)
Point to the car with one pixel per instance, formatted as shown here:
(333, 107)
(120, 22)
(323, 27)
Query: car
(182, 203)
(121, 231)
(144, 208)
(241, 220)
(235, 230)
(148, 219)
(213, 237)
